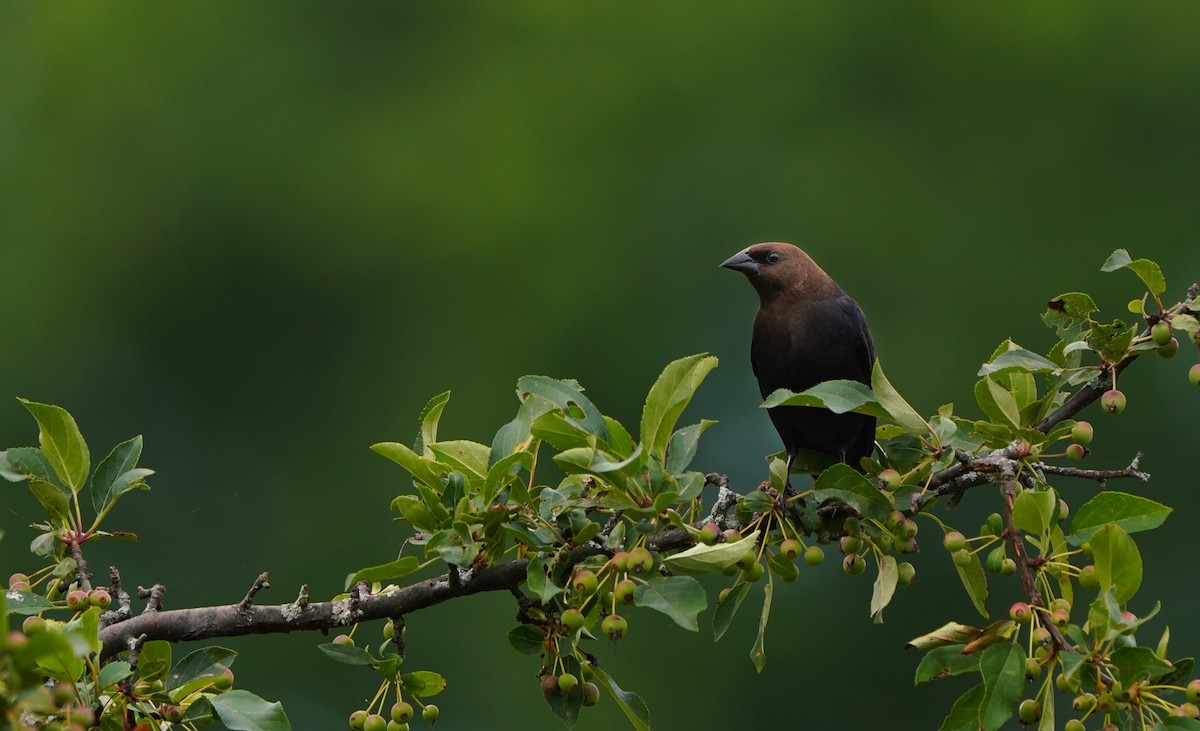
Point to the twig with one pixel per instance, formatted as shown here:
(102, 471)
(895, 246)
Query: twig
(81, 568)
(154, 596)
(262, 582)
(1099, 475)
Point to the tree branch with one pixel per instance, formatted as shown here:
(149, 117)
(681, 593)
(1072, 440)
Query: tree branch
(1099, 475)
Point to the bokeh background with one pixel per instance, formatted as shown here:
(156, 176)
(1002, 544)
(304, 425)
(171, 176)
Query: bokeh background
(263, 235)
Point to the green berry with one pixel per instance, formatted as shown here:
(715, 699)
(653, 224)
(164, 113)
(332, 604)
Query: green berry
(895, 519)
(1033, 668)
(585, 582)
(1087, 578)
(1193, 691)
(905, 573)
(615, 626)
(620, 561)
(1076, 452)
(430, 713)
(1060, 617)
(591, 694)
(573, 619)
(1194, 375)
(1113, 402)
(1008, 567)
(567, 682)
(908, 529)
(954, 541)
(624, 590)
(1042, 636)
(854, 564)
(33, 624)
(995, 524)
(343, 640)
(224, 681)
(99, 598)
(1084, 702)
(753, 572)
(1074, 724)
(1060, 603)
(731, 536)
(1020, 613)
(18, 578)
(961, 557)
(813, 555)
(1082, 433)
(791, 548)
(1064, 510)
(1161, 333)
(850, 544)
(1029, 710)
(995, 560)
(1065, 684)
(357, 719)
(890, 479)
(907, 546)
(885, 542)
(641, 560)
(1170, 349)
(77, 599)
(1190, 710)
(397, 726)
(710, 534)
(375, 722)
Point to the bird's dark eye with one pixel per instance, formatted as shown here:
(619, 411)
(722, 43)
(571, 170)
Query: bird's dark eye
(773, 257)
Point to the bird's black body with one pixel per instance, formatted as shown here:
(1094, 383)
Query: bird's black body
(807, 330)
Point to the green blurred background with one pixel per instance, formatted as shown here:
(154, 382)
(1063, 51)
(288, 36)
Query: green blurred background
(263, 235)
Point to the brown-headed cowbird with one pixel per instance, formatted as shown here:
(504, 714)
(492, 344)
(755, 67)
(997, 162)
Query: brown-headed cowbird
(807, 330)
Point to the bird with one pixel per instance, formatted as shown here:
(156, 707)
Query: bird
(807, 330)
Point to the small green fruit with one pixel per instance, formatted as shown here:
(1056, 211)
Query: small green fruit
(1113, 402)
(1170, 350)
(850, 544)
(1087, 578)
(77, 599)
(961, 557)
(357, 720)
(615, 626)
(1042, 636)
(1082, 433)
(753, 572)
(908, 529)
(905, 573)
(907, 546)
(397, 726)
(33, 624)
(224, 681)
(430, 713)
(1033, 668)
(1008, 567)
(1076, 452)
(1060, 617)
(1161, 332)
(375, 722)
(591, 694)
(1060, 603)
(1084, 702)
(895, 519)
(99, 598)
(343, 640)
(1074, 724)
(641, 560)
(1020, 613)
(1029, 710)
(731, 536)
(620, 561)
(1064, 510)
(710, 534)
(954, 541)
(1194, 375)
(890, 479)
(1190, 710)
(854, 564)
(567, 682)
(585, 582)
(1065, 684)
(791, 548)
(573, 619)
(18, 578)
(885, 541)
(1193, 691)
(813, 555)
(995, 559)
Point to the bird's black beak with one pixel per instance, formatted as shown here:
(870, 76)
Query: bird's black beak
(741, 262)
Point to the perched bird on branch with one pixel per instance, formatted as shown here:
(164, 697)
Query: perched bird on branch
(807, 330)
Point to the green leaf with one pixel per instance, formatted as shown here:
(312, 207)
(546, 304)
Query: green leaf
(113, 673)
(1074, 304)
(841, 482)
(682, 447)
(727, 608)
(758, 653)
(241, 710)
(205, 661)
(346, 654)
(123, 458)
(414, 511)
(514, 436)
(465, 456)
(455, 545)
(668, 397)
(62, 443)
(885, 585)
(898, 409)
(1177, 723)
(423, 683)
(1005, 401)
(1020, 359)
(154, 659)
(25, 602)
(702, 559)
(568, 397)
(1118, 562)
(503, 473)
(975, 582)
(384, 572)
(1003, 669)
(945, 661)
(964, 716)
(526, 639)
(1148, 271)
(1138, 663)
(679, 597)
(1033, 510)
(839, 396)
(537, 580)
(420, 468)
(1131, 513)
(24, 463)
(54, 500)
(430, 415)
(633, 706)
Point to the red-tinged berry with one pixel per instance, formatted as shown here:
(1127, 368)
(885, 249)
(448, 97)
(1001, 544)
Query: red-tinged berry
(1084, 702)
(731, 536)
(1060, 603)
(1170, 349)
(345, 640)
(850, 544)
(1129, 616)
(620, 561)
(549, 685)
(709, 534)
(430, 713)
(591, 694)
(224, 681)
(1194, 375)
(895, 519)
(1191, 710)
(585, 582)
(1087, 578)
(907, 546)
(614, 626)
(1161, 332)
(16, 640)
(908, 529)
(954, 541)
(18, 578)
(1112, 402)
(1060, 618)
(890, 480)
(641, 560)
(375, 722)
(1193, 691)
(624, 590)
(1029, 711)
(1033, 668)
(1020, 613)
(573, 619)
(791, 548)
(1076, 452)
(401, 712)
(99, 598)
(567, 682)
(854, 564)
(814, 555)
(33, 624)
(1042, 636)
(77, 599)
(723, 593)
(905, 573)
(1082, 433)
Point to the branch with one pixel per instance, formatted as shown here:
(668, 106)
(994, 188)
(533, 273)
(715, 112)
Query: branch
(81, 568)
(1099, 475)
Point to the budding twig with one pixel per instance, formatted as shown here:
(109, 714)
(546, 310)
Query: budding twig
(260, 583)
(1100, 476)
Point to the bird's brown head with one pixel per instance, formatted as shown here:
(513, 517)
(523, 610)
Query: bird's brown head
(776, 268)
